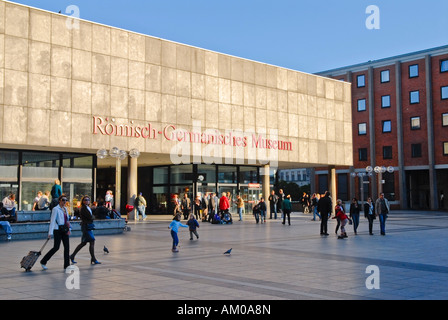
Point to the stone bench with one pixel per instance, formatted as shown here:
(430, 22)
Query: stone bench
(39, 230)
(33, 216)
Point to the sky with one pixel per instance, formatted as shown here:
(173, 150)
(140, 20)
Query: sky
(303, 35)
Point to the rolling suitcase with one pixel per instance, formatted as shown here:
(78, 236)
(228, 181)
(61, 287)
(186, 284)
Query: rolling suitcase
(30, 259)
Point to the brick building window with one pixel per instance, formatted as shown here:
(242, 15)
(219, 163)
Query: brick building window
(385, 101)
(361, 81)
(385, 76)
(387, 126)
(444, 92)
(415, 123)
(387, 152)
(444, 119)
(362, 154)
(445, 148)
(362, 128)
(362, 105)
(413, 71)
(416, 150)
(444, 65)
(414, 97)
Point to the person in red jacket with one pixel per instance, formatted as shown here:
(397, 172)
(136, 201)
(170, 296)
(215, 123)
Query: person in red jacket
(340, 214)
(223, 204)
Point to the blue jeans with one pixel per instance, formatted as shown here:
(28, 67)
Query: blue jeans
(141, 210)
(175, 239)
(355, 218)
(315, 213)
(383, 218)
(6, 226)
(273, 210)
(263, 216)
(240, 212)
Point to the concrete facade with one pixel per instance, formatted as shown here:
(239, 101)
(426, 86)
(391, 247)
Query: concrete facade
(57, 74)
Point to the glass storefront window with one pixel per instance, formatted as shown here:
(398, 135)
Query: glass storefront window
(40, 159)
(77, 178)
(180, 190)
(6, 188)
(77, 161)
(160, 175)
(209, 173)
(74, 192)
(182, 174)
(9, 163)
(227, 174)
(30, 190)
(160, 200)
(248, 175)
(39, 171)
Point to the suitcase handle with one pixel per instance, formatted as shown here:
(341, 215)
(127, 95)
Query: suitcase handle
(44, 245)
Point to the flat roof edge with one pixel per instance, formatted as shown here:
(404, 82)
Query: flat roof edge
(386, 61)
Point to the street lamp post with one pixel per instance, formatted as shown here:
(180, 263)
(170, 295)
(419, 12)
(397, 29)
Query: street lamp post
(379, 170)
(361, 176)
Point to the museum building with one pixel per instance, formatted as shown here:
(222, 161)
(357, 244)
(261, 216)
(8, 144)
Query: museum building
(101, 108)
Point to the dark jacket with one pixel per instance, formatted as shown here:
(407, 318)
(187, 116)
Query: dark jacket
(192, 224)
(354, 209)
(286, 204)
(324, 205)
(85, 215)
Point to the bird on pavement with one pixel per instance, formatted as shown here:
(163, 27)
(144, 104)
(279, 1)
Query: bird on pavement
(105, 249)
(228, 251)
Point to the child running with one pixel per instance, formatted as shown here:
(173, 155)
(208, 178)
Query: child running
(174, 226)
(193, 224)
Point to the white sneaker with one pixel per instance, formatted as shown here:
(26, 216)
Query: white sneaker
(9, 237)
(44, 267)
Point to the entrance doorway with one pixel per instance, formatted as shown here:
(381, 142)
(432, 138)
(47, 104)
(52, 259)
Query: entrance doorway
(251, 196)
(233, 190)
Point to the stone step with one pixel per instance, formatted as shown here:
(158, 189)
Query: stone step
(39, 230)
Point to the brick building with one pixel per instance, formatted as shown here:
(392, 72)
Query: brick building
(400, 120)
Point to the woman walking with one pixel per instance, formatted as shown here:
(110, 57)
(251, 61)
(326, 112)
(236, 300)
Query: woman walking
(60, 229)
(369, 213)
(354, 214)
(87, 231)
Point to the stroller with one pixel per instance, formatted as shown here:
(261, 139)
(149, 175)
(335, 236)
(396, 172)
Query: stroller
(226, 218)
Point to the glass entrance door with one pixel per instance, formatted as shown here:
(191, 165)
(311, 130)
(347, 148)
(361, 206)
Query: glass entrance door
(251, 196)
(233, 190)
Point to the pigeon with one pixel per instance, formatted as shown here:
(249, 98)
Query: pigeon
(105, 249)
(228, 251)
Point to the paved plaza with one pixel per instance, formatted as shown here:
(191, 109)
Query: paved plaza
(269, 261)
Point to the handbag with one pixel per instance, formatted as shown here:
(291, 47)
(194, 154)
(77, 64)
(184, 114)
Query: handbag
(63, 229)
(90, 226)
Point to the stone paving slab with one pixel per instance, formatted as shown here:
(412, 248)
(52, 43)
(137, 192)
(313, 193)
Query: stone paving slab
(268, 262)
